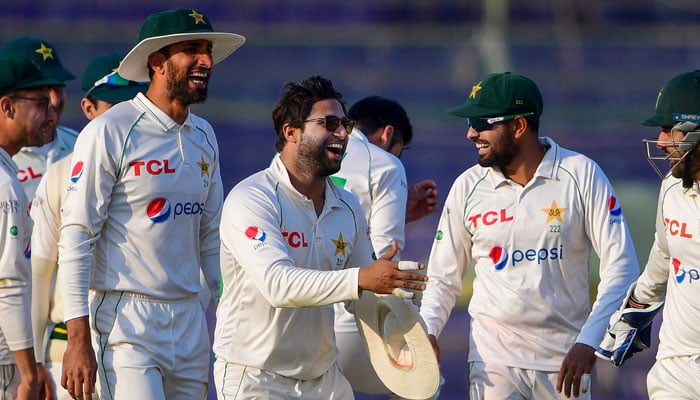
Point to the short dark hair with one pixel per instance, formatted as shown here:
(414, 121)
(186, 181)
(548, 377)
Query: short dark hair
(376, 112)
(297, 101)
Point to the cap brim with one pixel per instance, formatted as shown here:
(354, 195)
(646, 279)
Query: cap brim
(134, 66)
(654, 121)
(398, 345)
(114, 95)
(467, 110)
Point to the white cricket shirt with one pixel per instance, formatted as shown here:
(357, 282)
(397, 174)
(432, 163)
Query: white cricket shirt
(148, 192)
(531, 247)
(282, 268)
(15, 284)
(673, 269)
(378, 179)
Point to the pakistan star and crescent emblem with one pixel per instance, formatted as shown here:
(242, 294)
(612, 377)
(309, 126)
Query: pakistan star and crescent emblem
(475, 90)
(204, 166)
(340, 245)
(198, 17)
(554, 212)
(46, 52)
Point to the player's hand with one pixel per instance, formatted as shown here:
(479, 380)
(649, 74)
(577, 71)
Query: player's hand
(422, 200)
(436, 347)
(79, 364)
(575, 373)
(385, 276)
(26, 391)
(44, 383)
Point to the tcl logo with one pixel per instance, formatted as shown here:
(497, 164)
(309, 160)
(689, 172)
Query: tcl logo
(295, 239)
(26, 174)
(677, 228)
(489, 218)
(152, 167)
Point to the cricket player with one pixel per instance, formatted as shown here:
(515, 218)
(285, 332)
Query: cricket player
(102, 88)
(672, 272)
(33, 161)
(290, 239)
(141, 220)
(26, 116)
(372, 170)
(528, 215)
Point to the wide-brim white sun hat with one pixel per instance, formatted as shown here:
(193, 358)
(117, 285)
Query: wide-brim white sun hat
(398, 345)
(173, 26)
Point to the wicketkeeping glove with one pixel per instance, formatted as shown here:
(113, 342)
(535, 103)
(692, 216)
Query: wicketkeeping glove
(629, 331)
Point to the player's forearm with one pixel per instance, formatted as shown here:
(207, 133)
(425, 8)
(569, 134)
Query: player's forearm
(74, 260)
(24, 359)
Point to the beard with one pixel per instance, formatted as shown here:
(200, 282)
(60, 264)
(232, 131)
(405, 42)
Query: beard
(312, 157)
(502, 152)
(179, 89)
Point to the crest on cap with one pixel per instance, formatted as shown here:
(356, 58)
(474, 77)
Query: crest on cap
(501, 94)
(41, 52)
(173, 26)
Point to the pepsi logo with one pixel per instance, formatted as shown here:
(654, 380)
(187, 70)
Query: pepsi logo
(499, 257)
(77, 172)
(678, 270)
(614, 207)
(255, 233)
(158, 210)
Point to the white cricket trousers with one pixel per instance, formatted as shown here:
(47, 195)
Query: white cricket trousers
(10, 380)
(675, 378)
(494, 381)
(239, 382)
(148, 348)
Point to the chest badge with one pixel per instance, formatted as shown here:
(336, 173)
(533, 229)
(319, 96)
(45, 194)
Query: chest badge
(340, 245)
(554, 212)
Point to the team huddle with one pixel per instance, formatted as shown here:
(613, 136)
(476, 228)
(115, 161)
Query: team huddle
(133, 238)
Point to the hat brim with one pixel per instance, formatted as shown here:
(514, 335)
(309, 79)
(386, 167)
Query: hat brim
(134, 66)
(472, 111)
(114, 95)
(655, 121)
(398, 345)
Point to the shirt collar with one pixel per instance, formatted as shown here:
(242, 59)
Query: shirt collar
(281, 175)
(158, 115)
(548, 168)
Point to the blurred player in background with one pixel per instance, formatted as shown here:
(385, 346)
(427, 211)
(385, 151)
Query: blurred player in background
(371, 169)
(529, 216)
(290, 239)
(671, 275)
(26, 116)
(33, 161)
(102, 87)
(141, 219)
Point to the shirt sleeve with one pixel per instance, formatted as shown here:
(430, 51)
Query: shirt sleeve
(652, 284)
(15, 289)
(269, 265)
(611, 240)
(93, 175)
(388, 210)
(450, 258)
(209, 234)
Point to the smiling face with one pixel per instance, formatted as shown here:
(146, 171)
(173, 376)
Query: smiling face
(496, 146)
(188, 72)
(320, 152)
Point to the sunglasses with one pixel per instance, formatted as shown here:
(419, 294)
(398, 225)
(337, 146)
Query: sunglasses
(331, 123)
(43, 102)
(482, 124)
(112, 80)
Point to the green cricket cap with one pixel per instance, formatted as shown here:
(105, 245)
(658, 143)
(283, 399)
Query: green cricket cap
(41, 52)
(501, 94)
(19, 73)
(680, 95)
(101, 81)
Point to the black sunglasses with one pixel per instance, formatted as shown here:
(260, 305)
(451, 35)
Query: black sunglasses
(331, 123)
(482, 124)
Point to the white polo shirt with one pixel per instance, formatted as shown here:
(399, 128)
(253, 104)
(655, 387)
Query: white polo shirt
(282, 268)
(531, 247)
